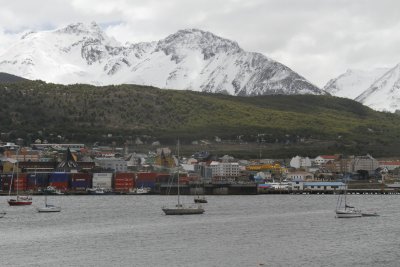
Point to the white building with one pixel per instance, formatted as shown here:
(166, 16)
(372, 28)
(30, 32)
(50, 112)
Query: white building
(300, 162)
(366, 163)
(317, 186)
(114, 164)
(224, 169)
(300, 176)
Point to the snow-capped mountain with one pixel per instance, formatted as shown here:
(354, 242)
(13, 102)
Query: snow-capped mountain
(352, 83)
(189, 59)
(378, 89)
(384, 94)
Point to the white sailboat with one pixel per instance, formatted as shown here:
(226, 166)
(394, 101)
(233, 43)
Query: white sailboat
(18, 200)
(343, 209)
(48, 207)
(180, 208)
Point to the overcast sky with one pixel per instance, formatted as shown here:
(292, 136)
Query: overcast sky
(319, 39)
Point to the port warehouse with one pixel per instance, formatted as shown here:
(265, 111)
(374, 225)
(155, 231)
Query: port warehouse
(119, 182)
(162, 183)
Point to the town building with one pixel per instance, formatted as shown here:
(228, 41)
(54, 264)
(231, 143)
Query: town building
(300, 162)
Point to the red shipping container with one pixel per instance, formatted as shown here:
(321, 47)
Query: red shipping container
(146, 176)
(60, 185)
(124, 175)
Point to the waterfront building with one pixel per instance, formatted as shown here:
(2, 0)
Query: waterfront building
(317, 186)
(225, 169)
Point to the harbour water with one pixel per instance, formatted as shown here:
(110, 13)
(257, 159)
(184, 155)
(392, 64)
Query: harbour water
(256, 230)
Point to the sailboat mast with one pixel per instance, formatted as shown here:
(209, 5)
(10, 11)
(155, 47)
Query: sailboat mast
(178, 177)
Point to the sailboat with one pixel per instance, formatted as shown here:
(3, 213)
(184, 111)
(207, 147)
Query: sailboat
(343, 209)
(180, 208)
(198, 198)
(18, 200)
(48, 207)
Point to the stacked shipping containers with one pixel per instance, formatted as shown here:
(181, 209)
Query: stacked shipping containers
(102, 180)
(20, 183)
(124, 181)
(5, 181)
(146, 179)
(81, 181)
(59, 180)
(37, 180)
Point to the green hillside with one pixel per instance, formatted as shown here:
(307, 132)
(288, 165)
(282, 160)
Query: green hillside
(285, 125)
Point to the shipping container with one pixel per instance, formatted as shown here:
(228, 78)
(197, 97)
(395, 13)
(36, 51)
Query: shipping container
(145, 184)
(37, 180)
(146, 176)
(62, 177)
(124, 175)
(63, 186)
(163, 178)
(6, 181)
(19, 184)
(102, 180)
(81, 181)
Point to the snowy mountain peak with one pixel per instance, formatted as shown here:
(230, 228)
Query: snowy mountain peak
(189, 59)
(81, 29)
(378, 88)
(384, 94)
(195, 39)
(353, 82)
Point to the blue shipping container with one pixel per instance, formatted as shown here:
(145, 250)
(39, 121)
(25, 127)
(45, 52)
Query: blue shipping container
(59, 177)
(38, 179)
(85, 184)
(145, 184)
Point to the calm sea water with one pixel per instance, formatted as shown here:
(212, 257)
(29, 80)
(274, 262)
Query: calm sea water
(261, 230)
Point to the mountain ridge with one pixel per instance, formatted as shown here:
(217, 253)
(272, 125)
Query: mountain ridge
(190, 59)
(378, 88)
(306, 124)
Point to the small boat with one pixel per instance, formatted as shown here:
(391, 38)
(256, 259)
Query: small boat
(20, 201)
(48, 207)
(199, 199)
(51, 190)
(346, 211)
(2, 214)
(179, 208)
(99, 191)
(349, 212)
(140, 191)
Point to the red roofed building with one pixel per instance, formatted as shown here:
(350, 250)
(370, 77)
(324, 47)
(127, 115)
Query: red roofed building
(389, 165)
(324, 159)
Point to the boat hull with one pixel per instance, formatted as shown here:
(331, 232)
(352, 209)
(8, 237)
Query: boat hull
(348, 214)
(12, 202)
(369, 214)
(200, 200)
(49, 209)
(183, 211)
